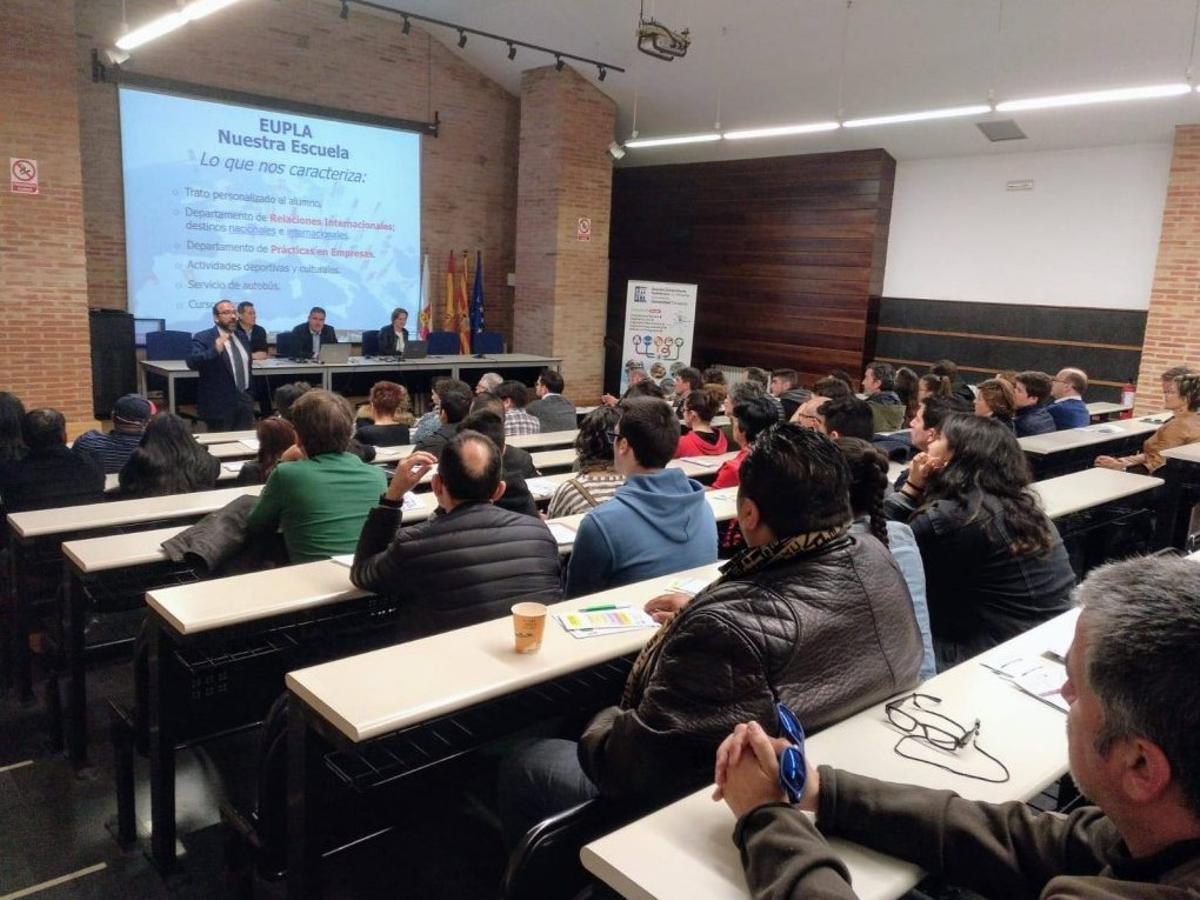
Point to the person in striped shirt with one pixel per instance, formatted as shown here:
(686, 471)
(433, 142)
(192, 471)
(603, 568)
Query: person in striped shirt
(597, 480)
(112, 450)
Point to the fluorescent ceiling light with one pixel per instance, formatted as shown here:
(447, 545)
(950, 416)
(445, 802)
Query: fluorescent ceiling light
(947, 113)
(1111, 96)
(781, 130)
(667, 141)
(197, 9)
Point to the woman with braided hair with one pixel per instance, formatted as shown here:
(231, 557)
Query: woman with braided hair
(868, 482)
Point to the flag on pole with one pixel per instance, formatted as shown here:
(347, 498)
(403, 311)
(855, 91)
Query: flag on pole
(425, 317)
(477, 295)
(450, 316)
(463, 310)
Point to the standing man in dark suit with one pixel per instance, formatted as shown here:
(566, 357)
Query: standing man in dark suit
(393, 337)
(309, 337)
(223, 361)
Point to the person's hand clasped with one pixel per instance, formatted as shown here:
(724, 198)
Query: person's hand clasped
(409, 472)
(747, 771)
(921, 469)
(665, 607)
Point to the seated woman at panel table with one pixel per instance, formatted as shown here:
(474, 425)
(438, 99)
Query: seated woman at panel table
(1181, 396)
(168, 461)
(275, 436)
(703, 439)
(596, 480)
(385, 420)
(994, 563)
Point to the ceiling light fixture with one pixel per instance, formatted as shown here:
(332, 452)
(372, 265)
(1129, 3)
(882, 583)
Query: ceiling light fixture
(406, 27)
(462, 38)
(669, 141)
(558, 64)
(781, 130)
(190, 12)
(1150, 92)
(512, 51)
(950, 112)
(602, 73)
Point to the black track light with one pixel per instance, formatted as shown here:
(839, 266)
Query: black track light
(558, 63)
(406, 27)
(603, 73)
(462, 38)
(345, 13)
(512, 51)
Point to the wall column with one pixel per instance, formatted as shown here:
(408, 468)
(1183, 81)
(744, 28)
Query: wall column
(565, 174)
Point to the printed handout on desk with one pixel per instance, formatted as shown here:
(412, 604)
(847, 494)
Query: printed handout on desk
(705, 462)
(582, 624)
(1036, 676)
(691, 586)
(233, 466)
(346, 559)
(563, 534)
(250, 444)
(540, 487)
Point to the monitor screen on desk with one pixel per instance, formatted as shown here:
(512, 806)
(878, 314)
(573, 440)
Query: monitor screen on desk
(231, 201)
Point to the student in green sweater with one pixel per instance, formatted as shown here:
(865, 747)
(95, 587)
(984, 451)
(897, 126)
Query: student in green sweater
(321, 501)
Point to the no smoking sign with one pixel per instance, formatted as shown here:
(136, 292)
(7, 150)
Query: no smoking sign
(22, 175)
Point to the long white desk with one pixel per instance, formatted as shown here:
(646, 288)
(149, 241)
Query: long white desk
(685, 851)
(1186, 453)
(229, 471)
(723, 503)
(69, 519)
(1075, 438)
(1101, 408)
(474, 664)
(174, 369)
(1068, 494)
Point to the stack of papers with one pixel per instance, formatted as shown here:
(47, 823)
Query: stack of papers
(1036, 676)
(233, 466)
(563, 534)
(705, 462)
(250, 444)
(609, 621)
(541, 488)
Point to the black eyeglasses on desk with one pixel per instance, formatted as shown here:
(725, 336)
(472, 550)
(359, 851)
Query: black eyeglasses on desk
(922, 724)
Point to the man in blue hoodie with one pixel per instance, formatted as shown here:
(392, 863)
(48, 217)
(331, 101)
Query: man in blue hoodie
(658, 522)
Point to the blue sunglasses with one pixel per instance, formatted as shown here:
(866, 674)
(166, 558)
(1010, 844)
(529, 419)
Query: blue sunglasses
(793, 772)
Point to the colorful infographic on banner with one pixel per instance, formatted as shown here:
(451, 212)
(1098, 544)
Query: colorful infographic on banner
(659, 318)
(288, 211)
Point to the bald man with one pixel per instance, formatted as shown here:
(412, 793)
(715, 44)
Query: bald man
(1068, 409)
(467, 563)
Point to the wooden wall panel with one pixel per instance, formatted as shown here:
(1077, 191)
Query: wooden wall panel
(787, 253)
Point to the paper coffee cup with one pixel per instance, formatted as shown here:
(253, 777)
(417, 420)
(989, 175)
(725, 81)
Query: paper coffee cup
(529, 624)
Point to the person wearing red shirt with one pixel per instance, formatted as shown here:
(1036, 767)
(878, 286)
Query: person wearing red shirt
(699, 409)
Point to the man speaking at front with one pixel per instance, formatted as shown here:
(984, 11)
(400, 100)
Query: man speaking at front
(223, 398)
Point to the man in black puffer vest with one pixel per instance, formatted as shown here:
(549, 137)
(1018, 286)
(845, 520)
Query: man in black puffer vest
(467, 563)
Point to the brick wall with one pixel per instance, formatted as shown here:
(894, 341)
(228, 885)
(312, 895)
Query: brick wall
(301, 50)
(565, 174)
(43, 357)
(1173, 323)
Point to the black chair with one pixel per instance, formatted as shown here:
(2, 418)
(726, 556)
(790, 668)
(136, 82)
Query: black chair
(168, 345)
(285, 345)
(487, 342)
(370, 343)
(443, 343)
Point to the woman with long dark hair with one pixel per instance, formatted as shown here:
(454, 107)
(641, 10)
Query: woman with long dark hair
(907, 389)
(868, 483)
(275, 436)
(12, 412)
(596, 480)
(994, 563)
(168, 461)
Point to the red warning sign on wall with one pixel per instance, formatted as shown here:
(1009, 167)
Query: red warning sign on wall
(583, 228)
(22, 175)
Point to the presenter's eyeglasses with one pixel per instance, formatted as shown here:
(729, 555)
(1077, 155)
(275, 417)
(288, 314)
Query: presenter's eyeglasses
(793, 771)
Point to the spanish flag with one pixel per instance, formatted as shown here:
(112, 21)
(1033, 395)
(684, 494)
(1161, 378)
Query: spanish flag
(450, 316)
(463, 311)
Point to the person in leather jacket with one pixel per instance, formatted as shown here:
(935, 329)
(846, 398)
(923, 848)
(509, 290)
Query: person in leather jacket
(808, 615)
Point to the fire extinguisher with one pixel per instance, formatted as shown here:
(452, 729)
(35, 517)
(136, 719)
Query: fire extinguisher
(1128, 397)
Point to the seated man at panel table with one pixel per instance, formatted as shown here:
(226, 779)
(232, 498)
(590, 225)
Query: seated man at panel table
(467, 563)
(657, 521)
(319, 502)
(1068, 409)
(1031, 392)
(551, 408)
(809, 614)
(310, 336)
(1133, 741)
(253, 335)
(51, 474)
(515, 396)
(112, 450)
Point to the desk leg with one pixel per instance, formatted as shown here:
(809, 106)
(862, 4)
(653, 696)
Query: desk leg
(171, 391)
(75, 621)
(304, 852)
(162, 751)
(22, 664)
(141, 379)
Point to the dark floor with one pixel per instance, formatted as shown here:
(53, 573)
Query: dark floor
(52, 824)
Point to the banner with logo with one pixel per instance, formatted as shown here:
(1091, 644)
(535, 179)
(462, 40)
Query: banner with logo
(659, 318)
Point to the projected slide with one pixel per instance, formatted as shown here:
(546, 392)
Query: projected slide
(287, 211)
